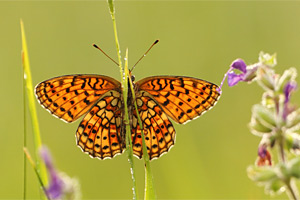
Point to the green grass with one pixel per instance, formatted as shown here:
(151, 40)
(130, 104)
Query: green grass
(28, 87)
(125, 76)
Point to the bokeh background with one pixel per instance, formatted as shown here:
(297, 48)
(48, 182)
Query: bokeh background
(197, 38)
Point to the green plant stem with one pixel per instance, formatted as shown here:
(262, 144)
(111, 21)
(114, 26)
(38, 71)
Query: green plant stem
(292, 191)
(128, 131)
(24, 140)
(291, 188)
(281, 150)
(149, 183)
(112, 13)
(124, 81)
(41, 169)
(28, 156)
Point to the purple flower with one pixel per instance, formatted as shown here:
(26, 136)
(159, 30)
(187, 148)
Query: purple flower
(264, 157)
(61, 186)
(262, 151)
(288, 89)
(240, 65)
(56, 185)
(234, 78)
(247, 73)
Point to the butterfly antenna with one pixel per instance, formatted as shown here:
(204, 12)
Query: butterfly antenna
(105, 54)
(156, 41)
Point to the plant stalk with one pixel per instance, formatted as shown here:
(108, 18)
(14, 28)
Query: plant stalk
(149, 183)
(292, 190)
(28, 156)
(40, 167)
(24, 140)
(124, 81)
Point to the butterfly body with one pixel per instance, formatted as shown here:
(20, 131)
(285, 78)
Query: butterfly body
(101, 133)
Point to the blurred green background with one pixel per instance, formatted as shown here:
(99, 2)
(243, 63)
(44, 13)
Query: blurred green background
(197, 38)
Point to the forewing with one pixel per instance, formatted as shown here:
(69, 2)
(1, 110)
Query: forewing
(158, 129)
(99, 133)
(182, 98)
(69, 97)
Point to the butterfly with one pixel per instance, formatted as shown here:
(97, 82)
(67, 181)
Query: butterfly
(101, 133)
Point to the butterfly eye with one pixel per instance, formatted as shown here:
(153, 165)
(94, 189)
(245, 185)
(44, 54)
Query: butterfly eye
(132, 77)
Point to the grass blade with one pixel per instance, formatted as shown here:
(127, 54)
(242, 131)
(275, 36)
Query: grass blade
(128, 132)
(28, 156)
(31, 104)
(149, 183)
(24, 140)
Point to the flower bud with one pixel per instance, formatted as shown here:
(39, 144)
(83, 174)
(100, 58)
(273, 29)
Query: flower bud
(264, 115)
(268, 99)
(267, 59)
(275, 187)
(292, 141)
(261, 174)
(293, 167)
(288, 75)
(258, 128)
(293, 121)
(264, 156)
(266, 78)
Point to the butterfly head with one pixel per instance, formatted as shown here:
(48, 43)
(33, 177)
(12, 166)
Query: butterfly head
(132, 78)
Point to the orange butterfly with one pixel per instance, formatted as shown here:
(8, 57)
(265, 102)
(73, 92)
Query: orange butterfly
(101, 133)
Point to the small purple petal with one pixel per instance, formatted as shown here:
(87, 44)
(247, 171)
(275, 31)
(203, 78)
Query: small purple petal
(240, 65)
(55, 188)
(288, 89)
(264, 156)
(45, 155)
(234, 78)
(262, 151)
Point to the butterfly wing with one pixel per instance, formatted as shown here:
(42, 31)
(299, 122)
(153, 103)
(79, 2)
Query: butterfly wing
(69, 97)
(182, 98)
(158, 130)
(100, 133)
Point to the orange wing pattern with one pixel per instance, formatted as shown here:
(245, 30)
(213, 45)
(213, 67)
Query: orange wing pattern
(158, 130)
(69, 97)
(100, 133)
(182, 98)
